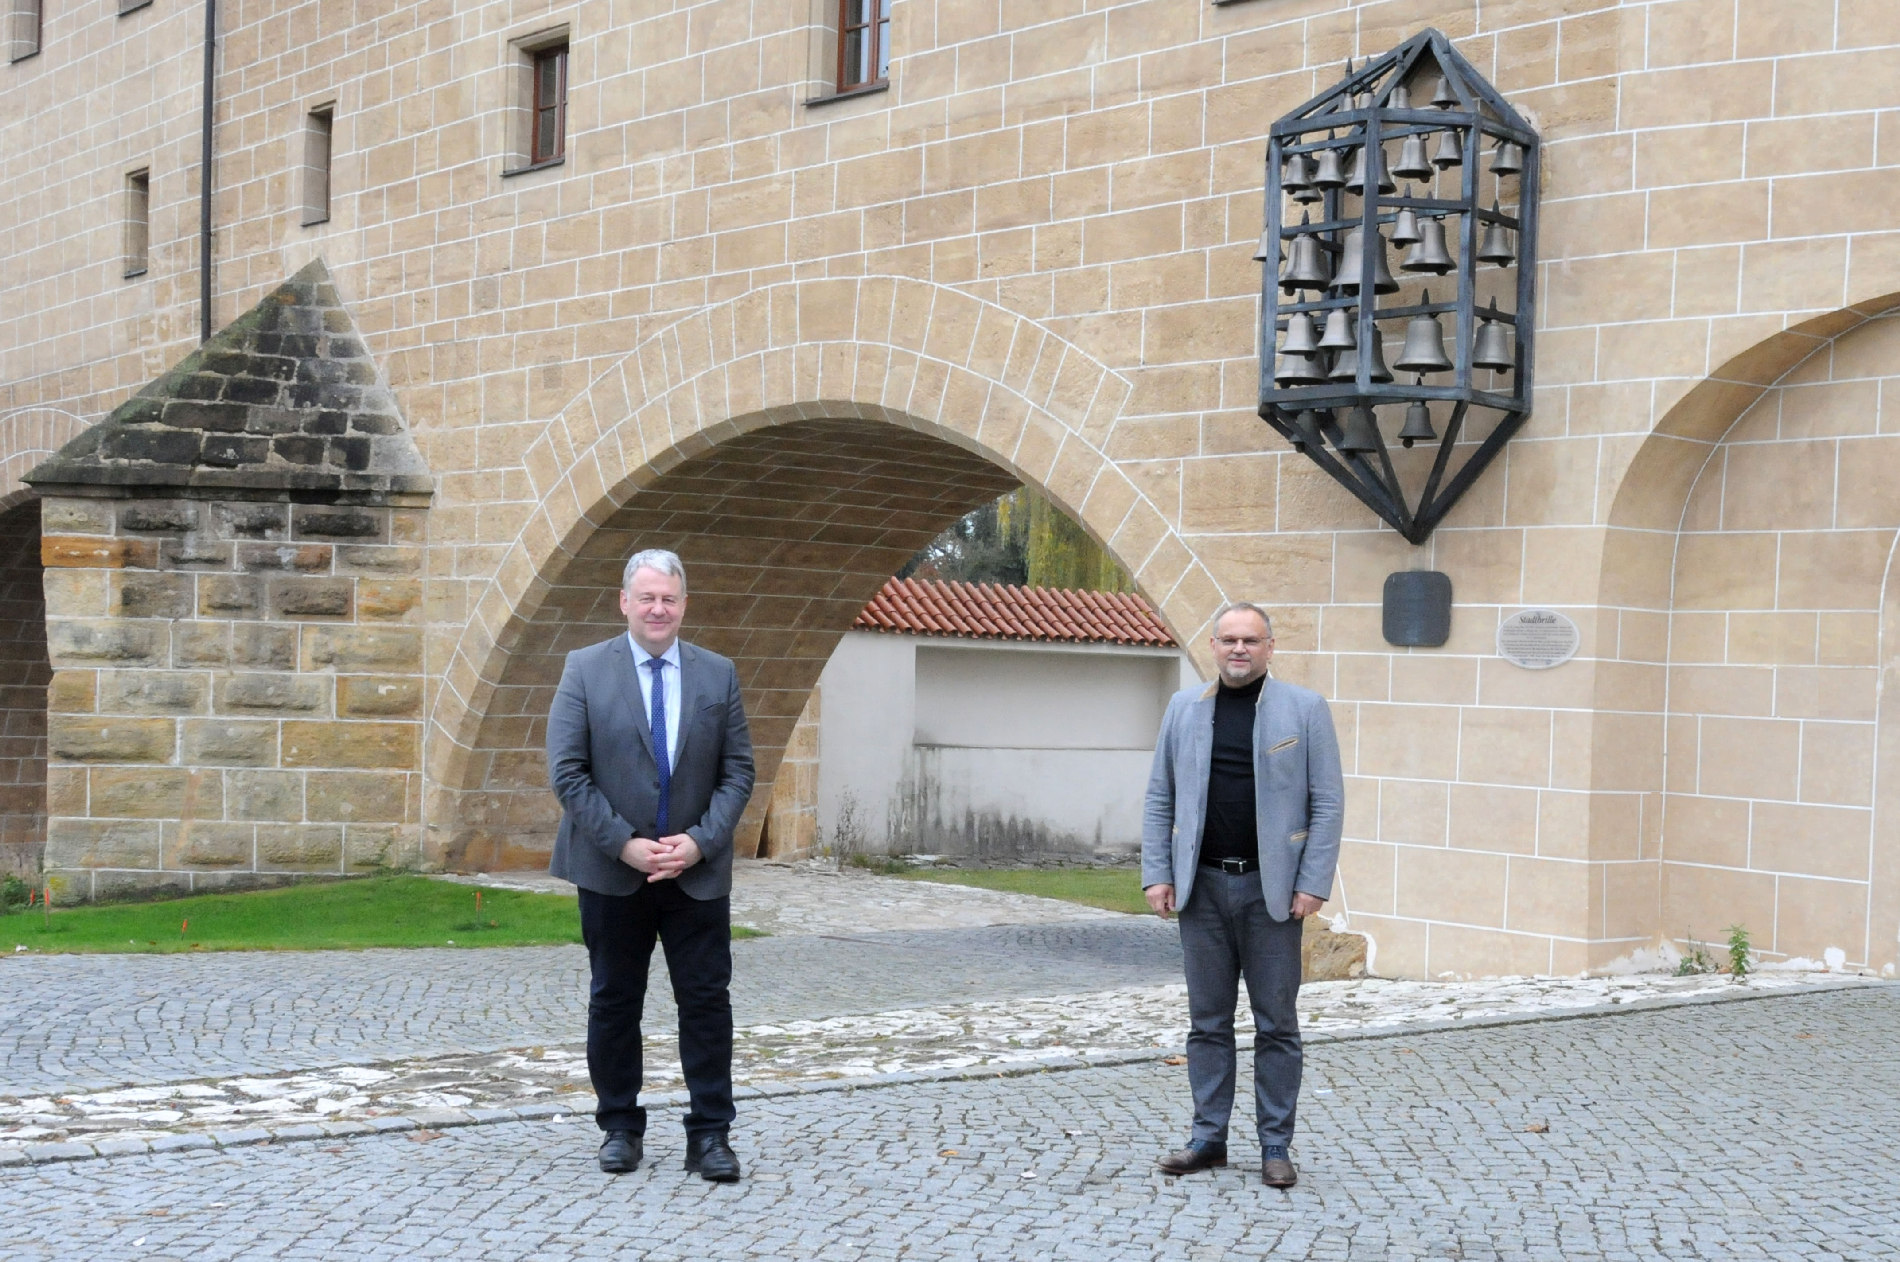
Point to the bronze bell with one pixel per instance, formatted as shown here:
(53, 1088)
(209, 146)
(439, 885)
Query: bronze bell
(1306, 431)
(1429, 255)
(1348, 277)
(1496, 248)
(1450, 151)
(1338, 335)
(1442, 98)
(1492, 348)
(1296, 177)
(1263, 251)
(1356, 178)
(1418, 424)
(1405, 224)
(1346, 366)
(1295, 437)
(1297, 370)
(1412, 163)
(1306, 264)
(1301, 337)
(1424, 344)
(1509, 159)
(1361, 434)
(1326, 170)
(1400, 98)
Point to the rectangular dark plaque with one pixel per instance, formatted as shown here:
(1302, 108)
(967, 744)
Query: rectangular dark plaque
(1417, 608)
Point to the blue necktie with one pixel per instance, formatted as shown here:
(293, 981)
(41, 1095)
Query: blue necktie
(660, 756)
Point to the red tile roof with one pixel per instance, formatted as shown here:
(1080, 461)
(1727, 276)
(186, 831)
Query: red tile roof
(995, 611)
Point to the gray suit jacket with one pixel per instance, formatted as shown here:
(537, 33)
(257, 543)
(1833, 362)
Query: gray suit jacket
(1299, 796)
(600, 764)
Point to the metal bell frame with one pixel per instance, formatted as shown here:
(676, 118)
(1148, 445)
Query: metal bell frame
(1359, 111)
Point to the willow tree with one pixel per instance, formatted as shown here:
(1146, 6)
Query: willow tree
(1020, 538)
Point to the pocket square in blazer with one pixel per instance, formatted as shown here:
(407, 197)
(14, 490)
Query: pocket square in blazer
(1288, 743)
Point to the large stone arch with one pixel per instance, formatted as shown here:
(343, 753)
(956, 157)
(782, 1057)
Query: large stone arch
(871, 412)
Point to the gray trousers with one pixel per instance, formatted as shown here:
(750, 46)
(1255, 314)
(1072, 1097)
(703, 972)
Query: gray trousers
(1226, 933)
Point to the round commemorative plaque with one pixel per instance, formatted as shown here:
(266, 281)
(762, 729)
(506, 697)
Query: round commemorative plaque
(1538, 639)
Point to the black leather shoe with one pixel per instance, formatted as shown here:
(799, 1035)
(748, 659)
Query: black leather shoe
(1278, 1172)
(711, 1158)
(620, 1152)
(1201, 1156)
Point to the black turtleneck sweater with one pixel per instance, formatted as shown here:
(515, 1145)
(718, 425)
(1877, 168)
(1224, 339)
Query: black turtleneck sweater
(1230, 831)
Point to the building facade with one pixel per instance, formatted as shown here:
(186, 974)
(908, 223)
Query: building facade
(987, 723)
(789, 286)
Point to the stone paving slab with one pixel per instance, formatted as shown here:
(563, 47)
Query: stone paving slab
(1731, 1131)
(819, 897)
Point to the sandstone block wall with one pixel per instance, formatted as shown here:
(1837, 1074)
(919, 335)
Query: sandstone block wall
(237, 691)
(791, 821)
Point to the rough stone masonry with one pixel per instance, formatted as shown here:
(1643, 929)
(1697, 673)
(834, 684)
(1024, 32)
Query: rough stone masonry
(233, 601)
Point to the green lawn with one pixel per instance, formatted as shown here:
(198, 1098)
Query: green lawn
(384, 911)
(1115, 889)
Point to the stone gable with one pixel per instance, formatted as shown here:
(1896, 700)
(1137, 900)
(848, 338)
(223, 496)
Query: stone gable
(286, 401)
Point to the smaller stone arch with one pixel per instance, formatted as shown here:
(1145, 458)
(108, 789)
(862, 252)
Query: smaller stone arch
(28, 436)
(911, 375)
(1776, 588)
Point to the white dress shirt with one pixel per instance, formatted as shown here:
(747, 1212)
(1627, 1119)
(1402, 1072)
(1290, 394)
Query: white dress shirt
(671, 673)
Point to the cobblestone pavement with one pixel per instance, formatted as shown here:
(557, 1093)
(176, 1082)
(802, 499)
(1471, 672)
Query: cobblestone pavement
(953, 1039)
(88, 1022)
(1733, 1131)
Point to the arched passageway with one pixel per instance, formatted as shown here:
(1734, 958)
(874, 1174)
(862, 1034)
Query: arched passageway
(24, 674)
(786, 533)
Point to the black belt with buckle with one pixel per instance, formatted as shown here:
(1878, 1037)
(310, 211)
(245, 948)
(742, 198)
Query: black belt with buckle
(1233, 867)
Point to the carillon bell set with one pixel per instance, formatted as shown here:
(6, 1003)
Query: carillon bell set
(1458, 206)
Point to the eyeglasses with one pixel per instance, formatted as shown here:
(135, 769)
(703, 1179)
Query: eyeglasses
(1239, 641)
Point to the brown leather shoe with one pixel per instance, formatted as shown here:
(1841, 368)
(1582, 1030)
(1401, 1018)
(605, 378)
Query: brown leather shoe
(1278, 1172)
(1194, 1157)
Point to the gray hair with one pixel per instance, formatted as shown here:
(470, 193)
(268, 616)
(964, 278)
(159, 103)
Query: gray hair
(654, 559)
(1244, 606)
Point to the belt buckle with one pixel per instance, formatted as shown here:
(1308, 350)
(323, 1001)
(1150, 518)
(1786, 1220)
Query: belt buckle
(1234, 867)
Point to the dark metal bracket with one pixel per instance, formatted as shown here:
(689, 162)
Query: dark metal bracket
(1460, 200)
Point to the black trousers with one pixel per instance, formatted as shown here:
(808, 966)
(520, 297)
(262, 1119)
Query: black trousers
(619, 930)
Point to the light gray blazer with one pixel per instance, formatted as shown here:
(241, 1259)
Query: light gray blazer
(1299, 797)
(600, 764)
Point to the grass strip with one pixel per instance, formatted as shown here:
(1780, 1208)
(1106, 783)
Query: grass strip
(1112, 889)
(381, 911)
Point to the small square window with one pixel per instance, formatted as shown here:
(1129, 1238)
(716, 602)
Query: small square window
(138, 216)
(549, 106)
(864, 44)
(318, 126)
(22, 28)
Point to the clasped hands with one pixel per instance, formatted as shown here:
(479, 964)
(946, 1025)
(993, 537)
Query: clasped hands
(663, 859)
(1161, 902)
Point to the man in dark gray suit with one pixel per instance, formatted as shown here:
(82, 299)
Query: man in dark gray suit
(649, 753)
(1240, 836)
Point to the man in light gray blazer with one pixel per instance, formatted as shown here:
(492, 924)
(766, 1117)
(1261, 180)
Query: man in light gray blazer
(1240, 836)
(649, 754)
